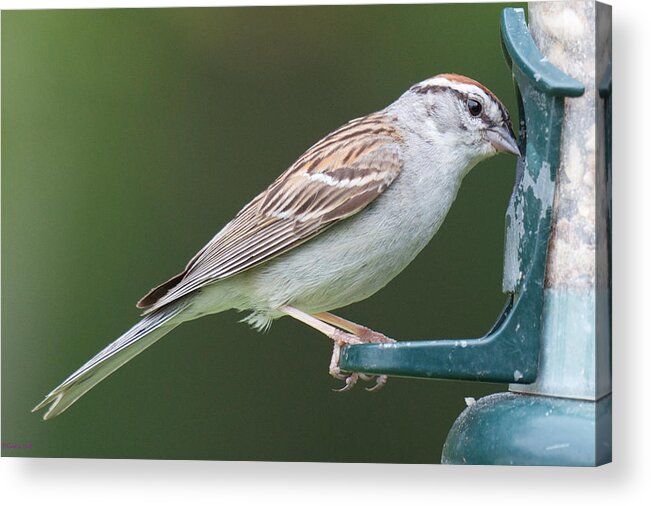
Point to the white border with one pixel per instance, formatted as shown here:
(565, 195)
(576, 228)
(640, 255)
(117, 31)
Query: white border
(78, 481)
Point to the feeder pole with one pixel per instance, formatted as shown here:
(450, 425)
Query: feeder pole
(564, 416)
(575, 360)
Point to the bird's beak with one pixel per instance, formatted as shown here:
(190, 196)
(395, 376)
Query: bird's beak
(503, 139)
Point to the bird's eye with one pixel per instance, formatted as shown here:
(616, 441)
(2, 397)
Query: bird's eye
(474, 107)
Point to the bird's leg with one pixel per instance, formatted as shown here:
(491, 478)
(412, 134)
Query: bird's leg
(367, 335)
(333, 333)
(337, 335)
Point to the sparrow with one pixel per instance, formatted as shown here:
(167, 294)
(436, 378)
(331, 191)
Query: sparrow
(346, 218)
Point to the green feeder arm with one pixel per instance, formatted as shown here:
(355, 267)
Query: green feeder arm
(509, 352)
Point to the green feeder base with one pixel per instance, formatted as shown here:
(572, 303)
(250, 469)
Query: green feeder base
(522, 429)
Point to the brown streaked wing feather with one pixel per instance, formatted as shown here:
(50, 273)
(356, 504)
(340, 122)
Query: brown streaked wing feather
(334, 179)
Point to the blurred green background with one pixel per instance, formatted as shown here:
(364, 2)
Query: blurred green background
(129, 137)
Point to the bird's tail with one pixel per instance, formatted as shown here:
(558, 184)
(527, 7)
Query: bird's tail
(142, 335)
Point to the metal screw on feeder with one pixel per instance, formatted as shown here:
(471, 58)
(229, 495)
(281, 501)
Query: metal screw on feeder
(551, 339)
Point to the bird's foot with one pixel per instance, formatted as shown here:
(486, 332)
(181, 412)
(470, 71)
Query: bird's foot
(342, 332)
(351, 379)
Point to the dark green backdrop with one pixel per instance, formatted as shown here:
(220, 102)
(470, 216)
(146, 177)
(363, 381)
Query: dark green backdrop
(129, 137)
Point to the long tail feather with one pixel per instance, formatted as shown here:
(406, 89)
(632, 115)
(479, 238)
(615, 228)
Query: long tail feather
(139, 337)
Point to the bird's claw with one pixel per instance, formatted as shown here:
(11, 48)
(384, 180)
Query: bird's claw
(380, 381)
(350, 380)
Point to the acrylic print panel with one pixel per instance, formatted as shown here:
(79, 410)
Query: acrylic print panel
(131, 136)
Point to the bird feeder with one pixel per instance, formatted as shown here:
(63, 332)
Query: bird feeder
(536, 423)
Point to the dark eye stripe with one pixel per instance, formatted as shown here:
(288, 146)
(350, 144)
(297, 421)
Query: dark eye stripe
(436, 88)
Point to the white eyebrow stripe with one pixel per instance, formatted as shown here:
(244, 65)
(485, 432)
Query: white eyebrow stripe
(460, 87)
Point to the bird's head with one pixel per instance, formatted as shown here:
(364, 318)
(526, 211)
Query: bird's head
(462, 114)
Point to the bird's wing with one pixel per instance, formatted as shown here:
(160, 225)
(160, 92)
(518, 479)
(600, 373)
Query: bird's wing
(334, 179)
